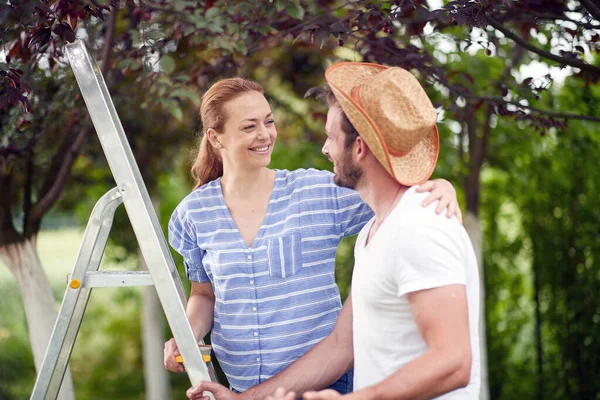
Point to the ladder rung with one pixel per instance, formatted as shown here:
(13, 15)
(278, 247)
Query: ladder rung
(95, 279)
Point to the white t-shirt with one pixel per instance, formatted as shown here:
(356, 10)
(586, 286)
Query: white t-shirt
(414, 249)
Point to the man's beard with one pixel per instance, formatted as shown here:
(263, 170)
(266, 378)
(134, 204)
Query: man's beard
(348, 174)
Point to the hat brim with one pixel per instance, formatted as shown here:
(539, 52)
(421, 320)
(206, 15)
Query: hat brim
(411, 168)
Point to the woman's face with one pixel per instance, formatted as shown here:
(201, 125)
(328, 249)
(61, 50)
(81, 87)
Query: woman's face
(249, 132)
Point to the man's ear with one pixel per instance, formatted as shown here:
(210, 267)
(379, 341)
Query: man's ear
(213, 138)
(360, 148)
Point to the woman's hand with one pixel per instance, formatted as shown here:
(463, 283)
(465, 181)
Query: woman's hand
(218, 391)
(444, 192)
(281, 394)
(171, 351)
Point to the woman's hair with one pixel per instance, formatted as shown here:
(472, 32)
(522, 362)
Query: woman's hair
(208, 165)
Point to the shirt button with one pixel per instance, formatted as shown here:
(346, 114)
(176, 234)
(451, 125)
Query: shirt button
(252, 282)
(257, 358)
(249, 257)
(253, 308)
(255, 333)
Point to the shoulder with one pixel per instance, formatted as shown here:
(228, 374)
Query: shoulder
(307, 174)
(427, 243)
(201, 200)
(412, 213)
(305, 178)
(418, 227)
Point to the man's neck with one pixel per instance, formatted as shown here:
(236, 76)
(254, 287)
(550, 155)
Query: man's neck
(380, 191)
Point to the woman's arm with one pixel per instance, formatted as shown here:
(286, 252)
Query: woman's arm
(200, 309)
(200, 313)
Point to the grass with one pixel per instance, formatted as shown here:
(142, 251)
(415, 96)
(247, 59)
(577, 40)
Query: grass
(57, 250)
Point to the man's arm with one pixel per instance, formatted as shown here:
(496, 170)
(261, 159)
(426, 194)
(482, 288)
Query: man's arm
(318, 368)
(442, 317)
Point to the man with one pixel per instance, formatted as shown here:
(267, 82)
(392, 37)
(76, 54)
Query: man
(409, 326)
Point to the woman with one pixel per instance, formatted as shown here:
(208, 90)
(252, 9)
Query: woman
(259, 244)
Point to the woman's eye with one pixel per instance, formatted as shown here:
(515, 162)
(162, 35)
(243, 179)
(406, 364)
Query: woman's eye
(246, 128)
(269, 122)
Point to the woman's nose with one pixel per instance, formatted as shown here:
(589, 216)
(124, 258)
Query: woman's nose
(263, 132)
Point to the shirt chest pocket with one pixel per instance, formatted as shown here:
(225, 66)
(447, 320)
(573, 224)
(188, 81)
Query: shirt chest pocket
(284, 255)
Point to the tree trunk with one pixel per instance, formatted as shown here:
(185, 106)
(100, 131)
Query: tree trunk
(153, 338)
(538, 330)
(40, 309)
(473, 228)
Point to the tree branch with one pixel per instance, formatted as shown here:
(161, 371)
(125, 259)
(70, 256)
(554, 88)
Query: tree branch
(565, 116)
(546, 54)
(592, 8)
(470, 118)
(462, 155)
(532, 16)
(487, 132)
(59, 180)
(499, 100)
(547, 18)
(472, 178)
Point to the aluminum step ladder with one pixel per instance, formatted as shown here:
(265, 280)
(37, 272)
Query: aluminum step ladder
(132, 192)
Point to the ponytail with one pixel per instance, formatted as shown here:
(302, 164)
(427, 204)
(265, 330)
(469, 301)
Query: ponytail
(208, 165)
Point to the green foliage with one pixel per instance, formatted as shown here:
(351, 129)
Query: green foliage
(167, 64)
(542, 242)
(108, 356)
(294, 9)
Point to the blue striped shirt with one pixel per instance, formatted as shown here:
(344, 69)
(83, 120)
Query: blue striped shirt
(276, 299)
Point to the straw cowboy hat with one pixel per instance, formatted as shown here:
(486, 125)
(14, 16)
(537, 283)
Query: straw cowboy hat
(392, 113)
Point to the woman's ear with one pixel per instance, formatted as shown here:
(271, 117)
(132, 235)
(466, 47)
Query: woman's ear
(213, 138)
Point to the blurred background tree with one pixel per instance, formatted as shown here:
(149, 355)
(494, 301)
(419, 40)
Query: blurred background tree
(515, 83)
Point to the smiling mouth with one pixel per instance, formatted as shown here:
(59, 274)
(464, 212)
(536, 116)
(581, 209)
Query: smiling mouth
(262, 149)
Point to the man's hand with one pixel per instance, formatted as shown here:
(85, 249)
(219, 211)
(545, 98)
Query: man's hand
(281, 394)
(442, 190)
(171, 351)
(218, 391)
(327, 394)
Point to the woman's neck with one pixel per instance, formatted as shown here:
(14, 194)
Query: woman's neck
(247, 184)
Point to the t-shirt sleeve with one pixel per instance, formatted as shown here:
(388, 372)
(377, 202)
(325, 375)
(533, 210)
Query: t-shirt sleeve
(182, 238)
(352, 213)
(429, 257)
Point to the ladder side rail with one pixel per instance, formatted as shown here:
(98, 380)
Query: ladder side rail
(74, 302)
(211, 370)
(138, 205)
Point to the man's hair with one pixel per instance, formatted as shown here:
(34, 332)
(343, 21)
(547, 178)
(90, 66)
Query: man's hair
(349, 129)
